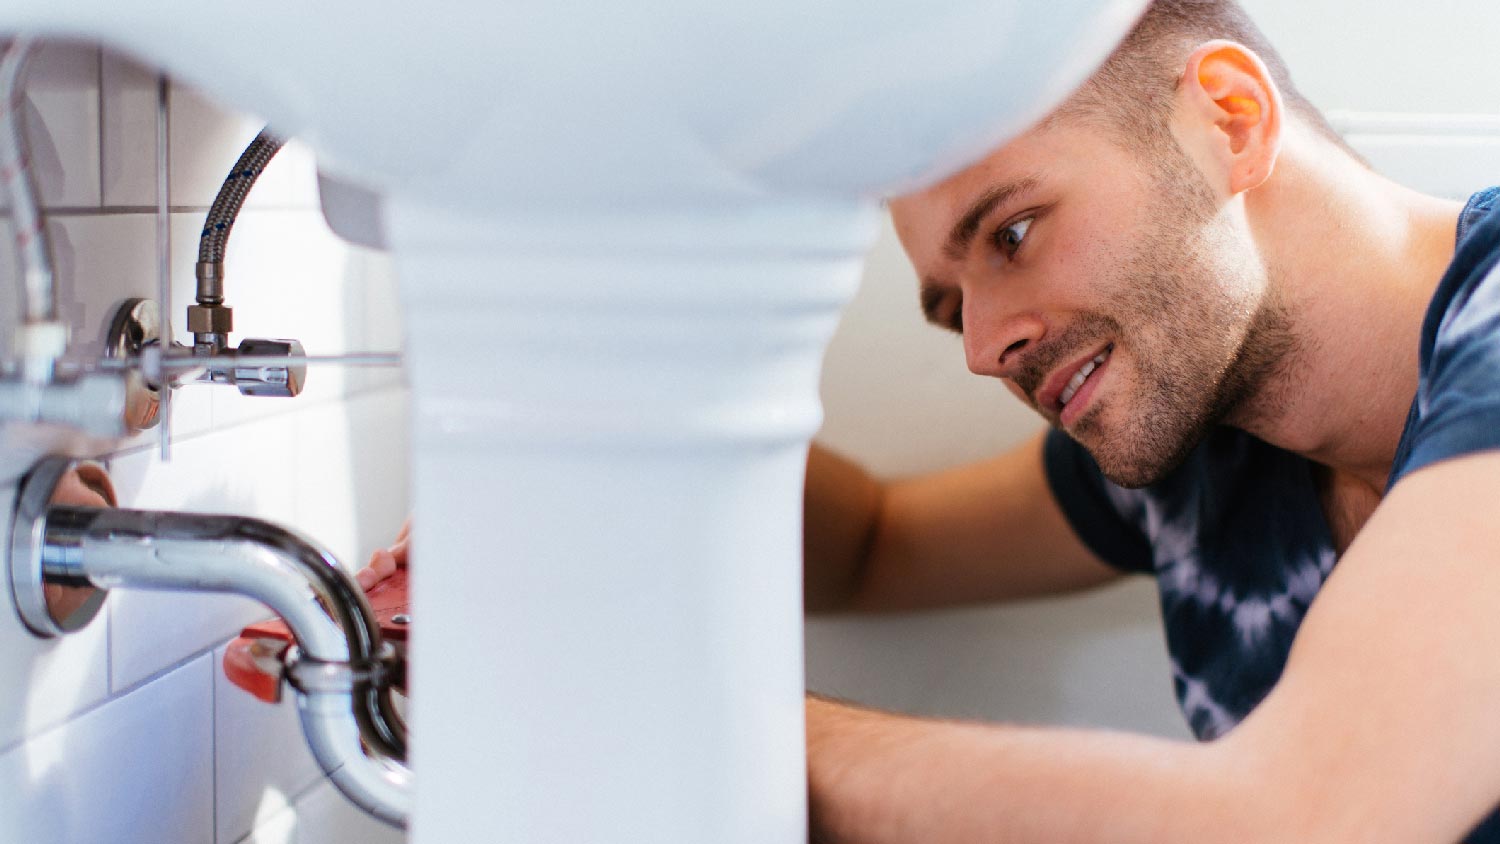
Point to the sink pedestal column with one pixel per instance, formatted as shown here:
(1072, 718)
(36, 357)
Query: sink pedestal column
(610, 426)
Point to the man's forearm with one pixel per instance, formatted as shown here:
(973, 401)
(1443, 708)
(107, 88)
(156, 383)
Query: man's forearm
(876, 778)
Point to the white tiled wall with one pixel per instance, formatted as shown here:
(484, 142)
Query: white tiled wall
(129, 731)
(1415, 91)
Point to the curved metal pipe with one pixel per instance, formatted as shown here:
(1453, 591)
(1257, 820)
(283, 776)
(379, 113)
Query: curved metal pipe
(39, 299)
(341, 668)
(41, 338)
(380, 785)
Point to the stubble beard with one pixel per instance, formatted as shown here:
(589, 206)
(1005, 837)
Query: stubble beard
(1202, 348)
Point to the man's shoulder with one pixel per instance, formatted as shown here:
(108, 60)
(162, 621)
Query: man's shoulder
(1457, 406)
(1482, 204)
(1469, 273)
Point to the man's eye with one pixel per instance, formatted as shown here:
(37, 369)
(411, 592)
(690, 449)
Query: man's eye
(1008, 238)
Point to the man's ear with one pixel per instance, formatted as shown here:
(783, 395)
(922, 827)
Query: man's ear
(1231, 108)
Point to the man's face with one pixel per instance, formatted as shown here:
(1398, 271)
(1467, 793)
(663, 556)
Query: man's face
(1112, 290)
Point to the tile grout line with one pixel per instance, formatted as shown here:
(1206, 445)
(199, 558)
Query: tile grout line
(100, 68)
(213, 743)
(164, 671)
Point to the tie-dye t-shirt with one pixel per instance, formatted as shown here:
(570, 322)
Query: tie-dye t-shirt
(1236, 536)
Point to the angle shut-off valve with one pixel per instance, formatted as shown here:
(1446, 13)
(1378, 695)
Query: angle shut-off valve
(258, 367)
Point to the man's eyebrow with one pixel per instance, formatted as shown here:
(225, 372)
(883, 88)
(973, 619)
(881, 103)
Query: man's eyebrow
(963, 231)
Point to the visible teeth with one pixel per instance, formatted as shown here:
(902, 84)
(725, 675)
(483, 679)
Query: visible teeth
(1081, 376)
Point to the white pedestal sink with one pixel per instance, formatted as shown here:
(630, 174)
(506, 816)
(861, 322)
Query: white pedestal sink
(624, 233)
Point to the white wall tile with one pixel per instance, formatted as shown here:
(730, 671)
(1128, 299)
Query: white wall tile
(325, 816)
(352, 474)
(100, 261)
(244, 471)
(207, 139)
(47, 681)
(128, 114)
(373, 316)
(1388, 55)
(191, 414)
(137, 770)
(262, 762)
(1448, 166)
(62, 124)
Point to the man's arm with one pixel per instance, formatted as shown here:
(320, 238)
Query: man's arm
(1384, 727)
(986, 532)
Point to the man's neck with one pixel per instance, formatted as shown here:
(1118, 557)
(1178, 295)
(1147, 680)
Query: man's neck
(1354, 259)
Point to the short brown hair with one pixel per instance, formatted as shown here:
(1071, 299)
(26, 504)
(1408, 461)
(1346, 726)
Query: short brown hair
(1133, 90)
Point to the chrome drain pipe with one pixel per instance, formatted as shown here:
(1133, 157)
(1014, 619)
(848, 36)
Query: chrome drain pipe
(64, 558)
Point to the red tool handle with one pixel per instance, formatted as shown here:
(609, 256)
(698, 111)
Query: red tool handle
(245, 661)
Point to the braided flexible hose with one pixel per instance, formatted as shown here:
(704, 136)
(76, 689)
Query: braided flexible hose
(226, 208)
(39, 303)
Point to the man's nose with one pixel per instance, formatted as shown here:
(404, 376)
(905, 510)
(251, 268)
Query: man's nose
(995, 343)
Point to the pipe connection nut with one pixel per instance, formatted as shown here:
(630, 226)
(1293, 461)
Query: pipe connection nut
(210, 319)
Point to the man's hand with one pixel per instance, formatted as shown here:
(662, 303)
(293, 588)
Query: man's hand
(385, 562)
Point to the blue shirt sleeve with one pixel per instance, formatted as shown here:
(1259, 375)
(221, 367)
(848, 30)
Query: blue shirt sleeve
(1457, 408)
(1082, 492)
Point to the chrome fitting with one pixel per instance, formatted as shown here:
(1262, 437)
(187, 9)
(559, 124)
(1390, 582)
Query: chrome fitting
(136, 328)
(264, 378)
(52, 596)
(210, 275)
(93, 403)
(318, 676)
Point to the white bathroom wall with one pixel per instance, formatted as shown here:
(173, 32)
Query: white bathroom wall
(1414, 88)
(129, 732)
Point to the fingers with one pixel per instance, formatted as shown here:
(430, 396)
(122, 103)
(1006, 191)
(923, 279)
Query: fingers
(382, 565)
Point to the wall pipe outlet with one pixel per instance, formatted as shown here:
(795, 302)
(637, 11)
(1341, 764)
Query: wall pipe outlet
(64, 559)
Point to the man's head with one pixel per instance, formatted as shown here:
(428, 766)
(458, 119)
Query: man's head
(1103, 263)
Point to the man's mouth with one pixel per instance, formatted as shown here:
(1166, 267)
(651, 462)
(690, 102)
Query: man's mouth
(1076, 382)
(1065, 394)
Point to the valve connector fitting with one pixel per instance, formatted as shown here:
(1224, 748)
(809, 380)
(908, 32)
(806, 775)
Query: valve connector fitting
(210, 277)
(279, 380)
(210, 319)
